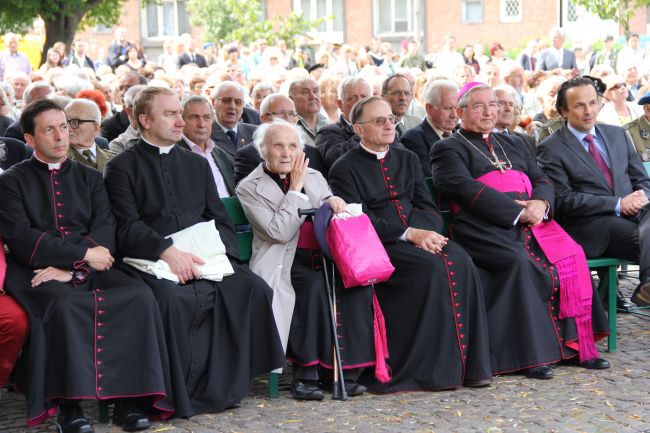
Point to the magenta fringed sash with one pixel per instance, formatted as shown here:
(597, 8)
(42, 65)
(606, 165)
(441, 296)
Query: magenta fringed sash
(566, 255)
(382, 372)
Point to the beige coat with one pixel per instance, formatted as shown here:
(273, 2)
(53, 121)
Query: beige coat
(274, 219)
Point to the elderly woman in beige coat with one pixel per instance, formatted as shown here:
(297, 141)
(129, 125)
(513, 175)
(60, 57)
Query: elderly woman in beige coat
(287, 256)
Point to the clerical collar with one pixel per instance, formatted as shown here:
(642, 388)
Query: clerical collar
(281, 180)
(50, 166)
(473, 134)
(161, 150)
(380, 155)
(93, 150)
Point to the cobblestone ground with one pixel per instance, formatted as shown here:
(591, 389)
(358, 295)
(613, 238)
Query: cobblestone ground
(576, 400)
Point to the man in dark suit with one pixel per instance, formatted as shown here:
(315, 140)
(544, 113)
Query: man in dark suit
(198, 116)
(274, 106)
(601, 186)
(441, 119)
(193, 57)
(227, 132)
(335, 139)
(78, 56)
(557, 56)
(117, 124)
(12, 151)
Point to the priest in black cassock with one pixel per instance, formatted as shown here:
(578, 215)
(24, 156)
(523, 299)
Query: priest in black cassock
(503, 206)
(95, 330)
(219, 334)
(433, 303)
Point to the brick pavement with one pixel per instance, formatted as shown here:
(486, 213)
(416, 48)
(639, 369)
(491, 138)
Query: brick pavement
(576, 400)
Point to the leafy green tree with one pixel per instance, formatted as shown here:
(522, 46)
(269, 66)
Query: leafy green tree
(62, 18)
(621, 11)
(236, 20)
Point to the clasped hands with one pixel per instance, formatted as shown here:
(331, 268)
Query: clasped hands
(98, 258)
(533, 213)
(632, 203)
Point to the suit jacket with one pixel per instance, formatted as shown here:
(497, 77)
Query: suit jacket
(548, 61)
(276, 228)
(250, 116)
(582, 195)
(114, 126)
(224, 163)
(5, 122)
(199, 60)
(74, 61)
(420, 140)
(102, 157)
(525, 60)
(15, 151)
(248, 158)
(244, 136)
(334, 140)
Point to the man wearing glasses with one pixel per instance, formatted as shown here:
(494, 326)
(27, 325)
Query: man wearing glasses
(540, 302)
(274, 106)
(83, 119)
(397, 90)
(227, 131)
(434, 298)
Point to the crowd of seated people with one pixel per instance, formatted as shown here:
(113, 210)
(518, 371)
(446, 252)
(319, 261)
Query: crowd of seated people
(119, 251)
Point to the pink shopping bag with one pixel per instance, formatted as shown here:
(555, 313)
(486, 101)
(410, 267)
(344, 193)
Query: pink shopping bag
(357, 251)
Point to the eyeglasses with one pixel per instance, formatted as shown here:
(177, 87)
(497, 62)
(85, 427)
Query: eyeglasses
(285, 114)
(379, 122)
(403, 93)
(228, 100)
(74, 123)
(618, 86)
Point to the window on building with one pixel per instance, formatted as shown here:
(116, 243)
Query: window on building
(571, 12)
(327, 9)
(472, 11)
(165, 18)
(393, 17)
(511, 11)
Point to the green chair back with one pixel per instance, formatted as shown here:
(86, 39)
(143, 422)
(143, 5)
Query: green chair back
(244, 234)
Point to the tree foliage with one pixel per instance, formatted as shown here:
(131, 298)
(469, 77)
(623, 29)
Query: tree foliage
(231, 20)
(621, 11)
(62, 18)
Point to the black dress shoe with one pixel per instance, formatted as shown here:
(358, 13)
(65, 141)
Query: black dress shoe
(641, 295)
(477, 383)
(540, 372)
(72, 420)
(595, 364)
(352, 388)
(622, 304)
(306, 391)
(130, 417)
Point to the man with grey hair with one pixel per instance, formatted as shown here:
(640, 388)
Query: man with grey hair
(34, 92)
(440, 104)
(11, 60)
(274, 106)
(509, 107)
(83, 119)
(336, 139)
(305, 94)
(228, 100)
(131, 136)
(556, 56)
(503, 210)
(198, 116)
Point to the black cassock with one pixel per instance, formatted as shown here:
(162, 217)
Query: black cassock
(521, 285)
(99, 336)
(219, 335)
(433, 303)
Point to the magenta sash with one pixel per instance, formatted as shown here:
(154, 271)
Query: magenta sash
(565, 254)
(307, 237)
